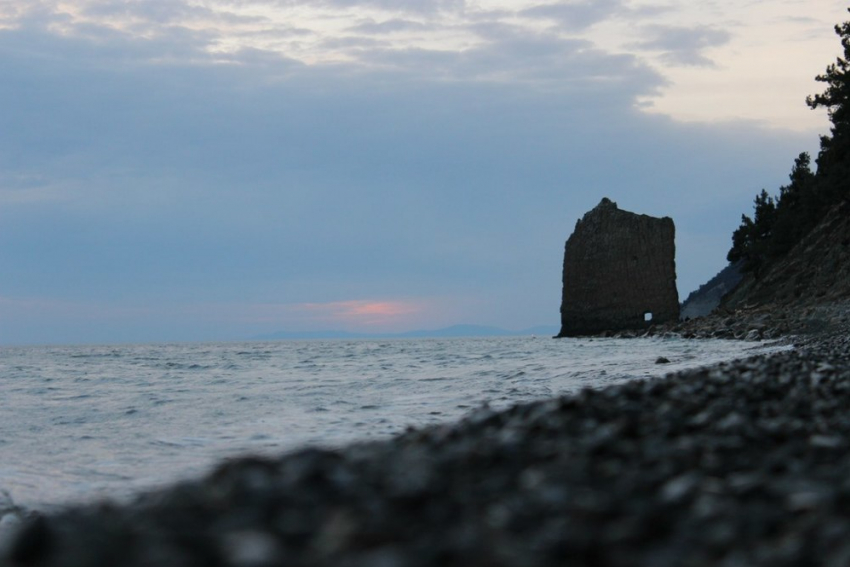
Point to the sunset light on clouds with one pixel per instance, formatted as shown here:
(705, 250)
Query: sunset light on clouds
(176, 167)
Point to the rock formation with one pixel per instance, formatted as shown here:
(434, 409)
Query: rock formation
(619, 272)
(706, 299)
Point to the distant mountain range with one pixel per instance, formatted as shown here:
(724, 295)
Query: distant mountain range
(453, 331)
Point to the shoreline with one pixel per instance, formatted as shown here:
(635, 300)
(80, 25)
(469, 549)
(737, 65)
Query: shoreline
(340, 400)
(742, 462)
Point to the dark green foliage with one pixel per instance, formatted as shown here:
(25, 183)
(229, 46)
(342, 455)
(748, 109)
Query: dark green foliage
(751, 241)
(780, 223)
(834, 157)
(742, 240)
(798, 208)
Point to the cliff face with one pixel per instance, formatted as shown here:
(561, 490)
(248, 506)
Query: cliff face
(815, 271)
(619, 272)
(706, 299)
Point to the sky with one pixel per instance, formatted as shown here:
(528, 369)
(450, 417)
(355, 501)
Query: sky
(187, 170)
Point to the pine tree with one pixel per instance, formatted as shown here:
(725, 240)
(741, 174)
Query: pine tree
(798, 207)
(779, 224)
(834, 156)
(752, 240)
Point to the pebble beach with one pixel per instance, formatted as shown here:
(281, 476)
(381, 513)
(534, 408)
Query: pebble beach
(743, 463)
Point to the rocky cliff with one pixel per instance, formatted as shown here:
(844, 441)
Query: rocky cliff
(706, 299)
(815, 271)
(619, 272)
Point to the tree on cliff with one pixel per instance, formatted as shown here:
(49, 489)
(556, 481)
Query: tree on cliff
(834, 157)
(750, 242)
(780, 223)
(798, 208)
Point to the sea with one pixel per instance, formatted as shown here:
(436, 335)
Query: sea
(85, 423)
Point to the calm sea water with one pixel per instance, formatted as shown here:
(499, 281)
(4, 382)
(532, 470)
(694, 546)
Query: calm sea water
(84, 422)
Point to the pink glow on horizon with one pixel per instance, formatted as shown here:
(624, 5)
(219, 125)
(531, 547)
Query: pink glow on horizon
(351, 315)
(367, 315)
(363, 312)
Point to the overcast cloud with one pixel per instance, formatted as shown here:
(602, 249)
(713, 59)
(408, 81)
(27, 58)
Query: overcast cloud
(175, 171)
(575, 16)
(684, 45)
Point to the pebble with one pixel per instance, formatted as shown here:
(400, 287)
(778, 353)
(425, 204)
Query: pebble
(9, 522)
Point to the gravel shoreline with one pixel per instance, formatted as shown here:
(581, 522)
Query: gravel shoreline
(744, 463)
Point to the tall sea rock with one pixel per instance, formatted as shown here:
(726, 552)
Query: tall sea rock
(619, 272)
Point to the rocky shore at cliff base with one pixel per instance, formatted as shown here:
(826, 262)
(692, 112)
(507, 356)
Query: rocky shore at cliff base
(756, 323)
(744, 463)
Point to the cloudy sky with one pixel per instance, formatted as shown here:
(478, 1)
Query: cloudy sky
(217, 169)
